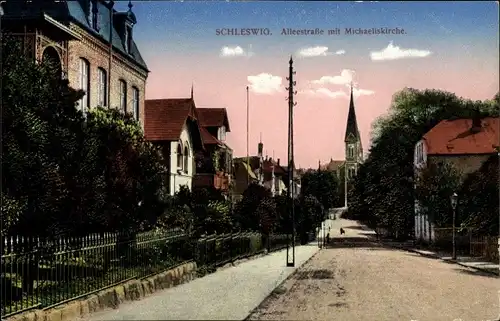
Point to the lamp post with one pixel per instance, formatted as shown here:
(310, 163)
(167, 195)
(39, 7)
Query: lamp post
(454, 199)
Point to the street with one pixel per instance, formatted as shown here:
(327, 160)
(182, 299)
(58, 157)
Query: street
(356, 279)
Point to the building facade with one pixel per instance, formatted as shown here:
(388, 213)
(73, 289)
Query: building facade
(464, 144)
(172, 125)
(214, 166)
(90, 42)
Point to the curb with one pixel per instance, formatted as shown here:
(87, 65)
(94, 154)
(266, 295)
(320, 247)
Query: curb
(257, 308)
(434, 256)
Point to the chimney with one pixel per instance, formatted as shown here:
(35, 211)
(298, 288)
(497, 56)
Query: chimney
(278, 162)
(476, 125)
(260, 148)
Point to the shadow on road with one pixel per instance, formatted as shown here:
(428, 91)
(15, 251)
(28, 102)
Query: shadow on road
(476, 273)
(355, 242)
(361, 228)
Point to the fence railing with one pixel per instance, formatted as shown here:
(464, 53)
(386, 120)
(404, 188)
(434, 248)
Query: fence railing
(38, 273)
(468, 242)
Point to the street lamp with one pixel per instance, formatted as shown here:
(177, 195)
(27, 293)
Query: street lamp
(453, 200)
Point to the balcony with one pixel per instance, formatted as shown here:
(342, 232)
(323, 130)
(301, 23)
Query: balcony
(219, 181)
(217, 160)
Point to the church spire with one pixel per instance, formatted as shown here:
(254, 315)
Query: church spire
(192, 89)
(352, 124)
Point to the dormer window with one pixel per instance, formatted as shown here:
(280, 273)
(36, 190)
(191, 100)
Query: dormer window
(222, 133)
(128, 38)
(92, 15)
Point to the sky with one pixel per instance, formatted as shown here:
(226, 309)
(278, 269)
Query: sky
(451, 46)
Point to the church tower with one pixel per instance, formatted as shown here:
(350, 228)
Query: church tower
(353, 147)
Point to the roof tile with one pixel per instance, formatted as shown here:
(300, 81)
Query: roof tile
(164, 118)
(455, 137)
(214, 117)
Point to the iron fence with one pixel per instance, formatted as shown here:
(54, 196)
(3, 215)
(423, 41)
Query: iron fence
(39, 273)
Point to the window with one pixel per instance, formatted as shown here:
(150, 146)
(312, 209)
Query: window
(123, 96)
(420, 153)
(135, 102)
(128, 39)
(84, 84)
(102, 92)
(350, 151)
(186, 159)
(222, 133)
(179, 155)
(93, 15)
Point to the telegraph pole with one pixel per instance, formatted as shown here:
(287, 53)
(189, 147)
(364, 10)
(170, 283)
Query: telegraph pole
(248, 131)
(291, 190)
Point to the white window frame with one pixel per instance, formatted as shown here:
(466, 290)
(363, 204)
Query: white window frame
(84, 77)
(102, 92)
(222, 133)
(135, 102)
(180, 160)
(186, 159)
(123, 96)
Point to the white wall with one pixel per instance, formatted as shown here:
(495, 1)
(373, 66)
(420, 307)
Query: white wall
(422, 231)
(180, 177)
(421, 221)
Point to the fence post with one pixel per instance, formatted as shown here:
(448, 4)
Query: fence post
(231, 247)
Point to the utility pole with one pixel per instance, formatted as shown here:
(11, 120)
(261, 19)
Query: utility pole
(248, 130)
(290, 190)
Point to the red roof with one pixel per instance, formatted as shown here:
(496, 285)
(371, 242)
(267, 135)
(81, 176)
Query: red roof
(215, 117)
(164, 118)
(456, 137)
(208, 139)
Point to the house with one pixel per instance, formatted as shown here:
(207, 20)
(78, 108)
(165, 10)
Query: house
(463, 143)
(348, 168)
(215, 164)
(243, 177)
(172, 125)
(296, 184)
(261, 170)
(268, 173)
(92, 45)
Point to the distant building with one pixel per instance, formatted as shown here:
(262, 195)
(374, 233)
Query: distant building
(75, 36)
(463, 143)
(348, 168)
(173, 125)
(261, 170)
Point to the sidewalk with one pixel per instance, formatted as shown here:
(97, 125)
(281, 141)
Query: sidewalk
(466, 261)
(228, 294)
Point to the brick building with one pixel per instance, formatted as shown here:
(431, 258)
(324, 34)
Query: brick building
(76, 35)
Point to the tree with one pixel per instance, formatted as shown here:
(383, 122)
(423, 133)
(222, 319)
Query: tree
(40, 137)
(201, 211)
(66, 173)
(323, 185)
(478, 199)
(383, 190)
(434, 187)
(249, 213)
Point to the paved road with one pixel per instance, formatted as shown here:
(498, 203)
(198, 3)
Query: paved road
(356, 279)
(229, 294)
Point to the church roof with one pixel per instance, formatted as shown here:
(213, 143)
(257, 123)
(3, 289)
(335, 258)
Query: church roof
(352, 124)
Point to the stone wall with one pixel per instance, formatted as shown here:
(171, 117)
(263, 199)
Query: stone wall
(111, 297)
